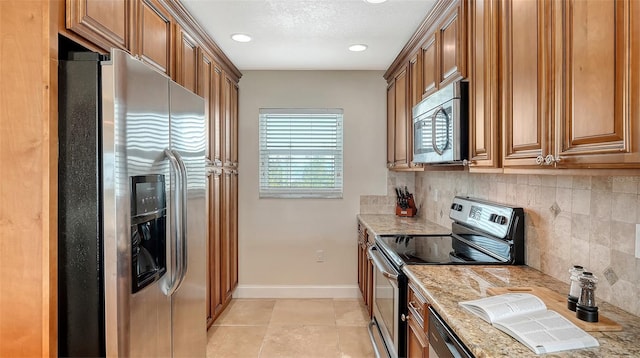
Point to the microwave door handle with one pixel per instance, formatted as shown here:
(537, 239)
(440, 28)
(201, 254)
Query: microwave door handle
(434, 119)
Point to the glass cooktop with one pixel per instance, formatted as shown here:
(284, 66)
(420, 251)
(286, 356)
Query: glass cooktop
(431, 250)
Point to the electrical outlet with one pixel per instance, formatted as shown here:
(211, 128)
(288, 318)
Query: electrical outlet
(319, 255)
(638, 241)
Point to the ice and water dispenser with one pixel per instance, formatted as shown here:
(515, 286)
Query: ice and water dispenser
(148, 230)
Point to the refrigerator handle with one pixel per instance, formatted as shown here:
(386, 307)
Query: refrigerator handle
(176, 210)
(183, 213)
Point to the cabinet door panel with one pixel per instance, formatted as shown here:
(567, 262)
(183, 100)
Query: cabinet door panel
(154, 44)
(226, 246)
(391, 123)
(401, 112)
(214, 271)
(429, 66)
(205, 89)
(483, 95)
(230, 122)
(233, 209)
(525, 120)
(229, 235)
(216, 115)
(415, 81)
(186, 61)
(452, 47)
(105, 23)
(417, 343)
(234, 124)
(598, 110)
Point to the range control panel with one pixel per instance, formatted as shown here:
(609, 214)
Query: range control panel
(492, 218)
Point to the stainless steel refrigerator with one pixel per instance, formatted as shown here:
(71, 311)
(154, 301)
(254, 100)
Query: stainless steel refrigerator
(132, 264)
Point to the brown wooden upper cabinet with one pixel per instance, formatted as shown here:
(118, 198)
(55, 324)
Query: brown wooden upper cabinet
(104, 23)
(484, 121)
(187, 60)
(597, 87)
(571, 87)
(525, 107)
(230, 122)
(154, 35)
(444, 49)
(398, 119)
(452, 47)
(391, 123)
(430, 68)
(415, 81)
(401, 118)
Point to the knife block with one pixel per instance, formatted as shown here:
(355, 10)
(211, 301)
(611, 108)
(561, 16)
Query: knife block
(408, 212)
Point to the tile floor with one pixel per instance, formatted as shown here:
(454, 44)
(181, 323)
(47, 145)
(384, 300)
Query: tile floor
(300, 328)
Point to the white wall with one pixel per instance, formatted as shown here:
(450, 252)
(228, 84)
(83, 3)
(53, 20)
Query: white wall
(278, 238)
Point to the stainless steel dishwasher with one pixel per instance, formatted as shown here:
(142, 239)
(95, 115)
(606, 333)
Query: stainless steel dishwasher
(442, 341)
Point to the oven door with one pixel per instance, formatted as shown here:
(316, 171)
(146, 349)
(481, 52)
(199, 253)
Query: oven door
(386, 301)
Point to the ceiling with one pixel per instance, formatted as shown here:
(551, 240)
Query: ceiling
(310, 34)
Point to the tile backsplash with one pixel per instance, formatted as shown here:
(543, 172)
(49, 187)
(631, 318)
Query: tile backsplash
(570, 220)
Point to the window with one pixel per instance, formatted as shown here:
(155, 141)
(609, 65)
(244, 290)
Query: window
(300, 153)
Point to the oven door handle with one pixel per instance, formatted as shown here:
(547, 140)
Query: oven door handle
(371, 327)
(380, 265)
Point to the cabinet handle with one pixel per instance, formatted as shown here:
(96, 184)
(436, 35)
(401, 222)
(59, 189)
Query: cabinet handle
(411, 305)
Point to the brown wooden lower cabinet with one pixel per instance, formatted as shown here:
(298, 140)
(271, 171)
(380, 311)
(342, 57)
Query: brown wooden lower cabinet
(417, 319)
(417, 342)
(222, 276)
(214, 275)
(230, 233)
(365, 268)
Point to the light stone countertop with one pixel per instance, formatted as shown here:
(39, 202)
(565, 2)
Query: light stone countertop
(446, 285)
(388, 224)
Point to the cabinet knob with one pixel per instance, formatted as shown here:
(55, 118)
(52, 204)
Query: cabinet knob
(550, 159)
(404, 317)
(467, 163)
(540, 160)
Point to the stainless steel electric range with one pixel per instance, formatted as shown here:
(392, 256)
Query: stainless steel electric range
(482, 233)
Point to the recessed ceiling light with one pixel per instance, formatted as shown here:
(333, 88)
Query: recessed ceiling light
(241, 37)
(358, 47)
(375, 1)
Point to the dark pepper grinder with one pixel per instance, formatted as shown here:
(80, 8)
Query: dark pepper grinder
(586, 308)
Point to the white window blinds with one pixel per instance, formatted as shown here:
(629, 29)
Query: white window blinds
(300, 153)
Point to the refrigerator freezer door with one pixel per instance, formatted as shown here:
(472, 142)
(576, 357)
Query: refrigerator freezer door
(80, 260)
(188, 135)
(135, 134)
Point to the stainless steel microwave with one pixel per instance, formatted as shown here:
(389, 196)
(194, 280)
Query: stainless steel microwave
(441, 126)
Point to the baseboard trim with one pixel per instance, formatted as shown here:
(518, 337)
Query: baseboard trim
(299, 291)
